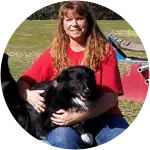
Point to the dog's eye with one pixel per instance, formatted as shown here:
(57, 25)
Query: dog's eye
(73, 89)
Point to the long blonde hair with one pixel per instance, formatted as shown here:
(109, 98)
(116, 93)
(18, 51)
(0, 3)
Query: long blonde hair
(96, 45)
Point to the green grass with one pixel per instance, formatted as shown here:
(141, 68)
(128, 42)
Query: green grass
(31, 38)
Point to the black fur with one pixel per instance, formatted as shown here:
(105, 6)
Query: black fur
(74, 85)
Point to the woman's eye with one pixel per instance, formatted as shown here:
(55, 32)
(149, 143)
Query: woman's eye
(68, 20)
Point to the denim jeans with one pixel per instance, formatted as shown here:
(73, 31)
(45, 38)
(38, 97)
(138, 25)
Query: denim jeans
(103, 129)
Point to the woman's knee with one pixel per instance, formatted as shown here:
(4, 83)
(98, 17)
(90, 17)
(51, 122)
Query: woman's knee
(65, 137)
(62, 132)
(115, 125)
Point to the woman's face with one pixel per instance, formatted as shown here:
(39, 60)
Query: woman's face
(75, 26)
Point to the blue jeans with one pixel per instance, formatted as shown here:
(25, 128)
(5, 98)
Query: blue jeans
(103, 129)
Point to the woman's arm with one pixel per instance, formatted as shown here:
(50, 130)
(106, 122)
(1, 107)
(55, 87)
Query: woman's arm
(23, 88)
(102, 105)
(32, 97)
(37, 72)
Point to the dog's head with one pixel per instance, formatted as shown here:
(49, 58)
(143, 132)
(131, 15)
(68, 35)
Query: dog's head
(80, 81)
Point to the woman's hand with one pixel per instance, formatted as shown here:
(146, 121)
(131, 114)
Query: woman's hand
(102, 105)
(64, 118)
(37, 101)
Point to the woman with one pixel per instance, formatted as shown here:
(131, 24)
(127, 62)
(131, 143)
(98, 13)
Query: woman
(79, 41)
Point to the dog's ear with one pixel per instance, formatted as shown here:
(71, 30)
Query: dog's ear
(63, 77)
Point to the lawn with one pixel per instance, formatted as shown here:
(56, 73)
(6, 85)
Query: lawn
(31, 38)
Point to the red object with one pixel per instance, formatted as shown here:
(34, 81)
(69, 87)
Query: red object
(43, 69)
(133, 84)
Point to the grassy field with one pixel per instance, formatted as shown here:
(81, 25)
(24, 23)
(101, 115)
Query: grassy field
(31, 38)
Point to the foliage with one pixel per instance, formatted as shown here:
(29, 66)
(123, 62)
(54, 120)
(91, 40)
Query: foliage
(51, 12)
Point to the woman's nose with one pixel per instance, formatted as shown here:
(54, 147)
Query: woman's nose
(74, 22)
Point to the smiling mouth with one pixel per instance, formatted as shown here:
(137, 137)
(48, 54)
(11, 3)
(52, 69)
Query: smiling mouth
(76, 30)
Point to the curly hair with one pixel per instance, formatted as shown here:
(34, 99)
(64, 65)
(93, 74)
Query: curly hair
(96, 45)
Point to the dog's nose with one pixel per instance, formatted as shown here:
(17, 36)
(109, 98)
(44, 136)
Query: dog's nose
(87, 92)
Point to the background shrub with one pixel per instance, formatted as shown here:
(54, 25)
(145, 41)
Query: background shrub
(51, 12)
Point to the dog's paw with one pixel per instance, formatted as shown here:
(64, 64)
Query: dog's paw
(42, 138)
(87, 138)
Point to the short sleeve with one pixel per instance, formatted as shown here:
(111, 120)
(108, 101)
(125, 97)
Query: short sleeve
(39, 71)
(111, 80)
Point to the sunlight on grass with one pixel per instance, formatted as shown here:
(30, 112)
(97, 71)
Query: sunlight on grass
(129, 109)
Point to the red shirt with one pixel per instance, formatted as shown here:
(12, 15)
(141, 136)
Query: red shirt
(108, 79)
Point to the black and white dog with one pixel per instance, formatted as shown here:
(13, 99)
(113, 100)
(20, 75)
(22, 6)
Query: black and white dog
(74, 89)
